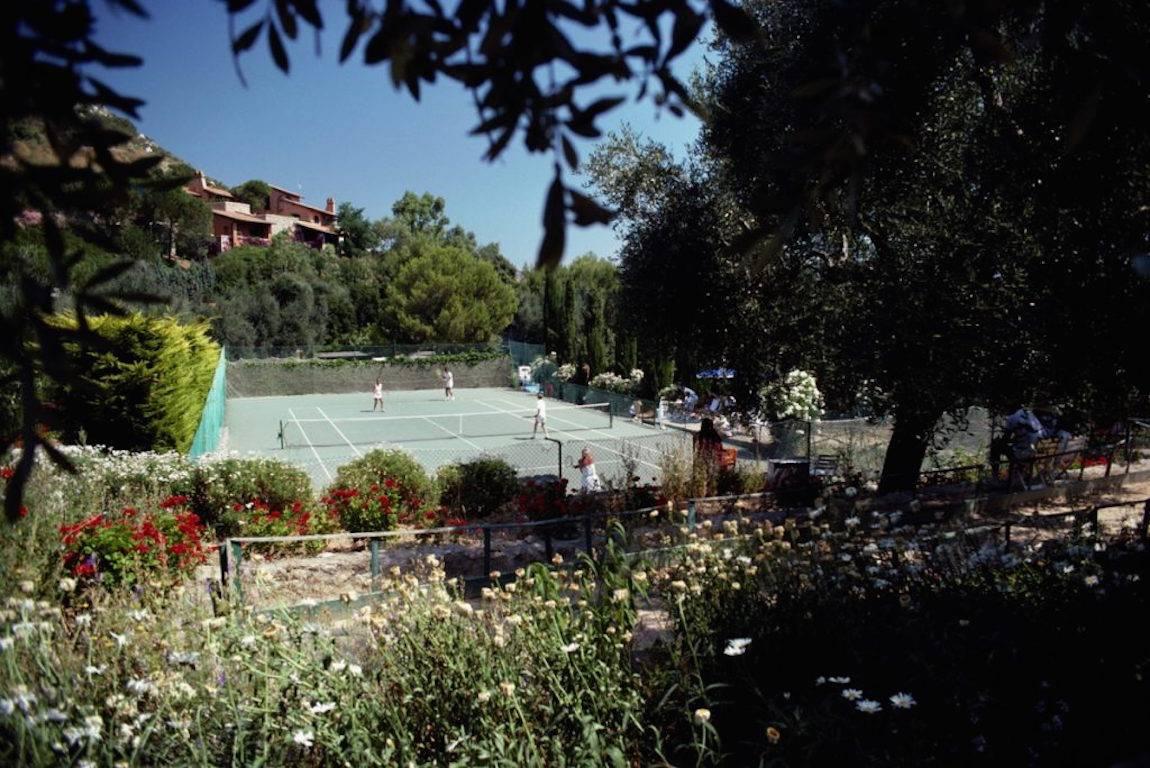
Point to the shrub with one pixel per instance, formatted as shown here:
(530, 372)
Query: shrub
(222, 492)
(299, 518)
(476, 489)
(542, 499)
(378, 491)
(134, 546)
(143, 387)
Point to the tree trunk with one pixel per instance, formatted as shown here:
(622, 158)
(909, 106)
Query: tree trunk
(905, 453)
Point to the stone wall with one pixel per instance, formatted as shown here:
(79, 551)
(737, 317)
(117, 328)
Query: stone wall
(260, 378)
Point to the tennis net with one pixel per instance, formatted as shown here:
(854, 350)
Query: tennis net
(383, 430)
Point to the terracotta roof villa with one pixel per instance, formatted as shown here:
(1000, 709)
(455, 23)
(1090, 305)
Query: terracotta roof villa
(234, 223)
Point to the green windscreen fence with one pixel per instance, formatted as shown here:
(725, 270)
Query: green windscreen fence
(207, 437)
(523, 353)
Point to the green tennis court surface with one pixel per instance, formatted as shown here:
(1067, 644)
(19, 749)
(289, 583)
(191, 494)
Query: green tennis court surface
(322, 432)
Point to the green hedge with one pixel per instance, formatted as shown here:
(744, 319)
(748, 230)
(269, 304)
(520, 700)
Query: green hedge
(142, 387)
(459, 358)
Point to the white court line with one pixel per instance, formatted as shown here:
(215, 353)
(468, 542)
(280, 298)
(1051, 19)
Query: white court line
(576, 437)
(448, 431)
(339, 431)
(303, 432)
(607, 435)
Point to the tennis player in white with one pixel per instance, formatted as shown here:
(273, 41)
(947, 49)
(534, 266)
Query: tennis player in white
(540, 416)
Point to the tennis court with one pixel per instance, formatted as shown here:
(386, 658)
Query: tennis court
(322, 432)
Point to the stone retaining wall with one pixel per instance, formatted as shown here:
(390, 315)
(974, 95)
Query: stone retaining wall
(259, 378)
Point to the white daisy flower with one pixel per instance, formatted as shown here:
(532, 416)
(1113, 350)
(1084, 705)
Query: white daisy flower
(852, 694)
(322, 709)
(304, 738)
(839, 680)
(868, 706)
(737, 646)
(569, 648)
(902, 701)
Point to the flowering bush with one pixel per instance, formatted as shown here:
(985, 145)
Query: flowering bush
(542, 499)
(299, 518)
(613, 382)
(984, 684)
(134, 545)
(565, 372)
(795, 396)
(378, 491)
(224, 491)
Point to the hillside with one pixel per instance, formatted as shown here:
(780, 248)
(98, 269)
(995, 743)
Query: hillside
(31, 145)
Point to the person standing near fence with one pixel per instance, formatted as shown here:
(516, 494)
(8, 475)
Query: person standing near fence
(377, 395)
(448, 384)
(587, 472)
(540, 416)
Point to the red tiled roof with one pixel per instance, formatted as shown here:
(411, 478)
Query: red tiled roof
(240, 216)
(291, 192)
(312, 225)
(311, 207)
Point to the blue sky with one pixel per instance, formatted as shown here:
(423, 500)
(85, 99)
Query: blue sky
(343, 131)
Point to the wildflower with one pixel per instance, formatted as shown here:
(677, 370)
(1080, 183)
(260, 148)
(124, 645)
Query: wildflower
(92, 671)
(621, 595)
(304, 738)
(338, 665)
(23, 629)
(67, 584)
(839, 680)
(569, 648)
(248, 641)
(6, 643)
(679, 586)
(852, 694)
(868, 706)
(702, 715)
(773, 734)
(121, 640)
(902, 701)
(7, 707)
(189, 658)
(820, 680)
(140, 687)
(322, 709)
(355, 670)
(851, 522)
(483, 697)
(507, 688)
(138, 616)
(737, 646)
(27, 586)
(1091, 581)
(557, 559)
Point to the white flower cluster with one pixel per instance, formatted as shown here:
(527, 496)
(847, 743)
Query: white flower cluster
(795, 396)
(613, 382)
(565, 372)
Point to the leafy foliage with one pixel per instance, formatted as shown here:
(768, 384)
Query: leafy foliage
(474, 490)
(379, 491)
(142, 388)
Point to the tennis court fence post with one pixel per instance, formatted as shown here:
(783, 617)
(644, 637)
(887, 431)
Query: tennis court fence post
(237, 558)
(560, 444)
(223, 564)
(486, 550)
(374, 546)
